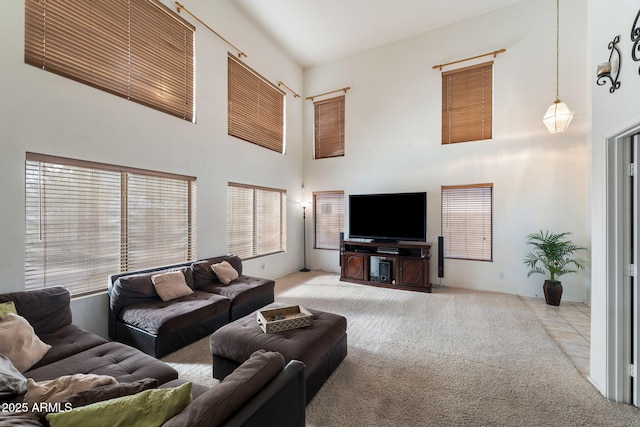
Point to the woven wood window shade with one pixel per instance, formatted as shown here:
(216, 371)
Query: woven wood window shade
(467, 106)
(328, 209)
(256, 220)
(467, 221)
(255, 107)
(86, 220)
(329, 127)
(139, 50)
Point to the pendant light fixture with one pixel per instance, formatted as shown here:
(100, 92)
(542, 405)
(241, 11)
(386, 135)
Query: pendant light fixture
(558, 115)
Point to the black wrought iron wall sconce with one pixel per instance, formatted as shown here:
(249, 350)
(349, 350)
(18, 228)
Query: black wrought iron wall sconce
(635, 38)
(610, 70)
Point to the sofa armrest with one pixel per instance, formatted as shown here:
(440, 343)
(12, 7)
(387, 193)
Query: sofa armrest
(281, 403)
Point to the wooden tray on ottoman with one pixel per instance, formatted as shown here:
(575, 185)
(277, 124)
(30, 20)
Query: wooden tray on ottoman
(283, 318)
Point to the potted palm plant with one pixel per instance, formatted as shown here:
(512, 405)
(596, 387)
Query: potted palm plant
(552, 256)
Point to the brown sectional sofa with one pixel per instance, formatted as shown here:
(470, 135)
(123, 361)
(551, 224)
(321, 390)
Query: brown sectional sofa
(138, 317)
(266, 392)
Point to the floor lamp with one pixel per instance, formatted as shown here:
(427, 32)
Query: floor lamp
(304, 236)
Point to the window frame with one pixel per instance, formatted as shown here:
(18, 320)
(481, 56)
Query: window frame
(324, 231)
(63, 203)
(467, 200)
(244, 231)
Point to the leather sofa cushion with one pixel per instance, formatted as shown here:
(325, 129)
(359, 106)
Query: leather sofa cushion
(138, 288)
(196, 389)
(67, 341)
(164, 317)
(237, 340)
(223, 400)
(46, 309)
(243, 289)
(204, 275)
(124, 363)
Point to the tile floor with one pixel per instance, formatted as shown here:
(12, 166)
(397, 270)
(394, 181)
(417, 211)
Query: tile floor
(570, 325)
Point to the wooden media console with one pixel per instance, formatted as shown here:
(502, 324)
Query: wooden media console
(403, 265)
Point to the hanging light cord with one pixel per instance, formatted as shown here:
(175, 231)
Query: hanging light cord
(557, 50)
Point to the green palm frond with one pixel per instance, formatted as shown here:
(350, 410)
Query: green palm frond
(552, 255)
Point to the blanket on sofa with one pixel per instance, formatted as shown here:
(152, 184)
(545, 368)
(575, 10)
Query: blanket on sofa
(60, 388)
(12, 382)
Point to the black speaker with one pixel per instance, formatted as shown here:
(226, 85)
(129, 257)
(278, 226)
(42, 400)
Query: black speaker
(440, 256)
(384, 271)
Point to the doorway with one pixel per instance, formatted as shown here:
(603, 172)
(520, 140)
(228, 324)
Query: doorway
(623, 351)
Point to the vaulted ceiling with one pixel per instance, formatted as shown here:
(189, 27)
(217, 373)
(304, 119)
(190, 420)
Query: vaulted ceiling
(316, 32)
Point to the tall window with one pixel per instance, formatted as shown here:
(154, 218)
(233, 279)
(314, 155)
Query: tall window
(328, 209)
(87, 220)
(256, 220)
(467, 221)
(139, 50)
(467, 107)
(329, 128)
(256, 107)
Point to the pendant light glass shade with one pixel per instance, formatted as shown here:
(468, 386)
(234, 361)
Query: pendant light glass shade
(557, 117)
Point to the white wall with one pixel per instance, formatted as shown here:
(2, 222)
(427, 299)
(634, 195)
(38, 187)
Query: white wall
(44, 113)
(611, 115)
(393, 131)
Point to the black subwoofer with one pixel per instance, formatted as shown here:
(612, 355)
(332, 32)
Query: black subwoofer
(440, 256)
(384, 271)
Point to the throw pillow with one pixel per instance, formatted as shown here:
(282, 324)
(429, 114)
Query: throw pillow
(7, 307)
(225, 272)
(147, 408)
(171, 285)
(19, 342)
(12, 382)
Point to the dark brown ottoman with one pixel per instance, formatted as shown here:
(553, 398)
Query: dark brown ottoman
(321, 346)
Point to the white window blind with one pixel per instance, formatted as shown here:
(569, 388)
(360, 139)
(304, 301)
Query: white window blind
(329, 127)
(159, 220)
(255, 107)
(467, 221)
(328, 209)
(256, 220)
(140, 50)
(87, 220)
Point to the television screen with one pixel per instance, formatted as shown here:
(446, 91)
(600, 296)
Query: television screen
(391, 217)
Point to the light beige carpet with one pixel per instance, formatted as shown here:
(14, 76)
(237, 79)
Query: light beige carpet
(450, 358)
(193, 363)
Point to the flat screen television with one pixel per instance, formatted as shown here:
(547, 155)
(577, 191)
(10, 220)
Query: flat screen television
(388, 217)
